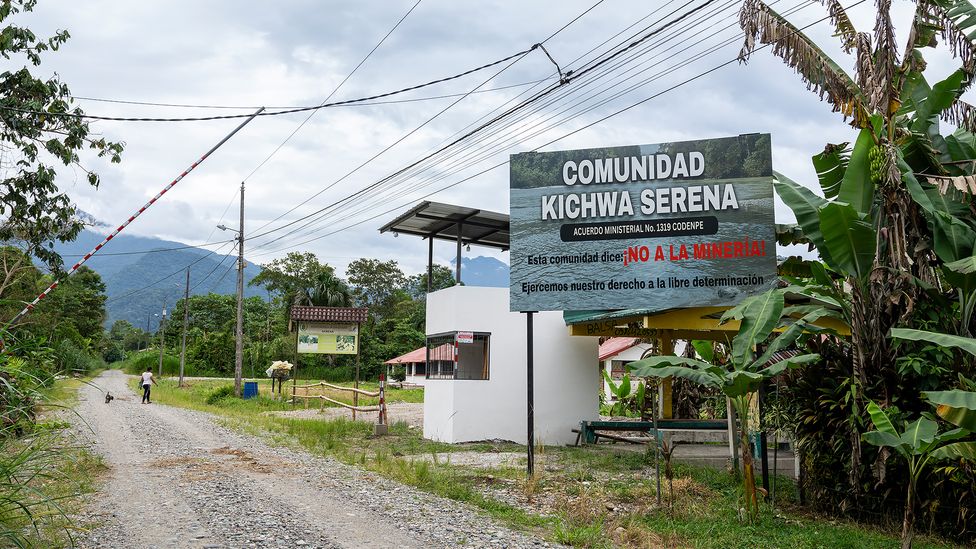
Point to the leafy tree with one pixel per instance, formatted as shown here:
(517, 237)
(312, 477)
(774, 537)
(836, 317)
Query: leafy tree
(78, 303)
(325, 290)
(894, 222)
(33, 209)
(292, 276)
(377, 284)
(19, 279)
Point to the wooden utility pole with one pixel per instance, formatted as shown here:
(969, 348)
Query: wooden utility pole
(239, 347)
(186, 323)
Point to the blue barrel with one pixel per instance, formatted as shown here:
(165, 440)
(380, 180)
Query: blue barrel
(250, 389)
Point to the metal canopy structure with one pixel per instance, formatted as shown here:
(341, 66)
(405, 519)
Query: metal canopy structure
(459, 224)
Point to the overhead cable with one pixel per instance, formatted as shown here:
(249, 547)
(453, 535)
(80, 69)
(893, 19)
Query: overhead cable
(268, 113)
(564, 136)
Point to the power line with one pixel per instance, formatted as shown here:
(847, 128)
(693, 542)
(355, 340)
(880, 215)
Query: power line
(82, 115)
(221, 278)
(465, 95)
(411, 132)
(515, 99)
(570, 77)
(564, 136)
(154, 250)
(244, 107)
(405, 173)
(163, 279)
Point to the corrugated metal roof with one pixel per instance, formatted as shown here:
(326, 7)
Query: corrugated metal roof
(329, 314)
(442, 222)
(616, 345)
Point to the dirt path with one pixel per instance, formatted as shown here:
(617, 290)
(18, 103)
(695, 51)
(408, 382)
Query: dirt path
(177, 479)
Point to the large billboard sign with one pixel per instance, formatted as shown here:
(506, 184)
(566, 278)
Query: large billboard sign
(681, 224)
(329, 338)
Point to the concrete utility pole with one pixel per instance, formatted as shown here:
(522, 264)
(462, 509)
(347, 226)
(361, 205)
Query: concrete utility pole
(162, 341)
(239, 350)
(186, 323)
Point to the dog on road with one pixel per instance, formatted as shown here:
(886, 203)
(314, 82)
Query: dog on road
(108, 397)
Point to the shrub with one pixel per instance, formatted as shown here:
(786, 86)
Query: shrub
(220, 393)
(72, 359)
(399, 373)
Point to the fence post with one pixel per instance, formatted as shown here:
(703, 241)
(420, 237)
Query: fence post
(381, 427)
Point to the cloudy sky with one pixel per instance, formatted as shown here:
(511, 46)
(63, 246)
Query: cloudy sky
(296, 52)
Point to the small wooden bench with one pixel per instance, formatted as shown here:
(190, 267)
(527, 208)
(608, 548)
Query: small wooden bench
(589, 435)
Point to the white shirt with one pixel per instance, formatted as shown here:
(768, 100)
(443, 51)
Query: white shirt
(147, 378)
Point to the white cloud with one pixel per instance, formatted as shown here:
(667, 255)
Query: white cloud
(295, 52)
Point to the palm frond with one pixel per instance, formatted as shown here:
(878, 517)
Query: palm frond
(762, 24)
(958, 23)
(961, 114)
(963, 183)
(845, 29)
(883, 95)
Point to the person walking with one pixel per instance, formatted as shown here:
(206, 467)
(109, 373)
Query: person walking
(147, 381)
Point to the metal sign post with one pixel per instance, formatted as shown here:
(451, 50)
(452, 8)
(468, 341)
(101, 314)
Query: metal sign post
(530, 393)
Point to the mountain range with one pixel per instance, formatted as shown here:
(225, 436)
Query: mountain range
(139, 284)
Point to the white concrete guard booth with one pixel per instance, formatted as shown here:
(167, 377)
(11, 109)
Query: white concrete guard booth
(481, 394)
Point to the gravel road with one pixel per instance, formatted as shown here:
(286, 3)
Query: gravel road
(177, 479)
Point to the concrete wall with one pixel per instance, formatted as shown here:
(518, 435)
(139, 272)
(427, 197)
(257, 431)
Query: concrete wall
(566, 382)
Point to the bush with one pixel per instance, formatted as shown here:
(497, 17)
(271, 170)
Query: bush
(220, 393)
(71, 359)
(399, 373)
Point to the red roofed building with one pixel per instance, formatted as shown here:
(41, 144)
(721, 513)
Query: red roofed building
(415, 362)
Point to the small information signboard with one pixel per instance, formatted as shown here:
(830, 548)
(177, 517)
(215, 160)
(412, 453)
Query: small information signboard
(329, 338)
(465, 337)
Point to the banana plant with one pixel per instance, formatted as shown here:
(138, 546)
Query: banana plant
(956, 406)
(621, 394)
(919, 443)
(758, 316)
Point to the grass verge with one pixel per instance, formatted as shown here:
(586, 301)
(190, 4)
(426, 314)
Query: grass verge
(44, 475)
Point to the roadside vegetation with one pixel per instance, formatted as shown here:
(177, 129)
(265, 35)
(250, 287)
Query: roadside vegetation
(585, 497)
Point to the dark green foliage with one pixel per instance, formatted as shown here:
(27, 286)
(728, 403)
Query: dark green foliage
(733, 157)
(417, 284)
(220, 393)
(73, 360)
(531, 170)
(869, 483)
(399, 373)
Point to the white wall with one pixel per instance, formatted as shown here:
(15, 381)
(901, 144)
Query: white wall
(566, 383)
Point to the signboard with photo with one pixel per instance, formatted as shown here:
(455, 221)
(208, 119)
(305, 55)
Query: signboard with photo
(329, 338)
(663, 226)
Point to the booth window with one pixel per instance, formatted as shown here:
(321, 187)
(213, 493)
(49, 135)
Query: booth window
(449, 358)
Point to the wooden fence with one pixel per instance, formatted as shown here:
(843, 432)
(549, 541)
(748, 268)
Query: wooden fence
(323, 386)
